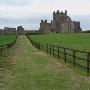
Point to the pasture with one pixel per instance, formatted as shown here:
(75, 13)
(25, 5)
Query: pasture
(4, 39)
(80, 41)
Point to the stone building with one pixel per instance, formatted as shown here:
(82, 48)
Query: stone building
(45, 27)
(1, 32)
(61, 23)
(9, 30)
(20, 30)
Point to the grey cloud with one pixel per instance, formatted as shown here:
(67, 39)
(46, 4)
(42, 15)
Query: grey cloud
(15, 2)
(33, 22)
(24, 2)
(84, 20)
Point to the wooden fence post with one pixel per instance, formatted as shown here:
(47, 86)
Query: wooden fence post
(36, 44)
(39, 45)
(88, 61)
(10, 45)
(74, 57)
(50, 49)
(47, 48)
(65, 55)
(1, 49)
(58, 53)
(53, 50)
(33, 43)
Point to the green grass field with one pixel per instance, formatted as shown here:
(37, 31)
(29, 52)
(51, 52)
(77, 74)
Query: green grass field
(7, 38)
(79, 41)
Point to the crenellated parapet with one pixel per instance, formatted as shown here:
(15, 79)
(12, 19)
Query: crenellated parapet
(43, 22)
(77, 27)
(59, 16)
(60, 13)
(44, 26)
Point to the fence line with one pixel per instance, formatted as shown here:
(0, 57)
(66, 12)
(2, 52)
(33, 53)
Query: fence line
(56, 51)
(3, 47)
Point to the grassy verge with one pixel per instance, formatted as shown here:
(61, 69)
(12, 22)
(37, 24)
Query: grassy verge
(3, 59)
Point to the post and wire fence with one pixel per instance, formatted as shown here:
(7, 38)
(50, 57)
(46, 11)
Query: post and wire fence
(76, 57)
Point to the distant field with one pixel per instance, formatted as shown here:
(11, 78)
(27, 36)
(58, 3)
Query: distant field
(79, 41)
(7, 38)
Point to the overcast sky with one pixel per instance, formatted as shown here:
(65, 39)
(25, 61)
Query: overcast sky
(28, 13)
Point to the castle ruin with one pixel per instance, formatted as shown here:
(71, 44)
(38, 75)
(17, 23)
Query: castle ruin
(61, 23)
(12, 31)
(20, 30)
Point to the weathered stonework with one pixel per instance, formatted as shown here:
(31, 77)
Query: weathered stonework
(61, 23)
(1, 32)
(8, 30)
(45, 27)
(13, 31)
(20, 30)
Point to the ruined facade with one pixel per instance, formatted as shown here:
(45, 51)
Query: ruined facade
(1, 32)
(45, 27)
(20, 30)
(9, 30)
(61, 23)
(16, 31)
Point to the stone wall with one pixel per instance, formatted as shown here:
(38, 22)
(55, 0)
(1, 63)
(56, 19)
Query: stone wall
(20, 30)
(8, 30)
(45, 27)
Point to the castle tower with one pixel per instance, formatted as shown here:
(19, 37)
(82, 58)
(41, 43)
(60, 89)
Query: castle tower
(45, 27)
(59, 18)
(20, 30)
